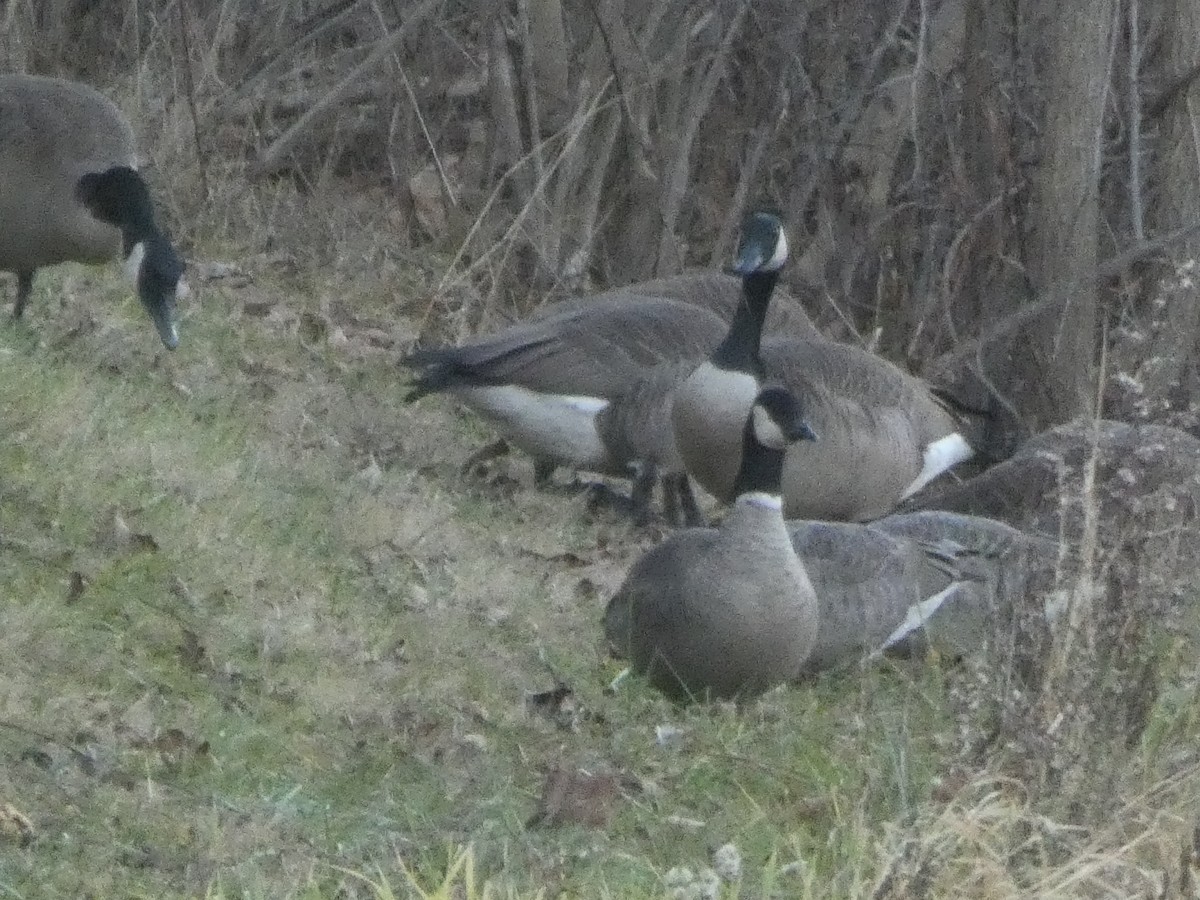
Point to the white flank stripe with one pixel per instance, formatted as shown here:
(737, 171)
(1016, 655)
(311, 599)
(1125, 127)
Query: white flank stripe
(918, 615)
(939, 456)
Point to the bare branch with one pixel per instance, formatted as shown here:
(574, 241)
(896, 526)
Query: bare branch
(273, 158)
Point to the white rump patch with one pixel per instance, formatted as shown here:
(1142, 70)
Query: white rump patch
(767, 430)
(133, 262)
(762, 500)
(558, 426)
(918, 616)
(940, 455)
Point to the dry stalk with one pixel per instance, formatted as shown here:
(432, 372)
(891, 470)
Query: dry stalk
(680, 168)
(273, 158)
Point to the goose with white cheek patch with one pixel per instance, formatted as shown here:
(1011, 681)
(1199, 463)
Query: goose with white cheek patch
(726, 611)
(884, 434)
(70, 191)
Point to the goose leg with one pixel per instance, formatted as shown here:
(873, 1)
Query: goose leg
(24, 287)
(693, 516)
(543, 471)
(644, 480)
(494, 450)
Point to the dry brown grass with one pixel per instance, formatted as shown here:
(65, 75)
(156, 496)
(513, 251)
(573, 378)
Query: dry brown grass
(369, 635)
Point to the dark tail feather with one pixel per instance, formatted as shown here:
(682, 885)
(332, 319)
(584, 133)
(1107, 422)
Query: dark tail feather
(991, 430)
(435, 370)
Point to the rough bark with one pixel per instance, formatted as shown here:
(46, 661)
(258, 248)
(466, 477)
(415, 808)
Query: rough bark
(1064, 210)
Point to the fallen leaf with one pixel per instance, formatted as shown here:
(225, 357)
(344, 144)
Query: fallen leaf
(574, 796)
(550, 703)
(192, 652)
(15, 826)
(39, 758)
(77, 584)
(143, 542)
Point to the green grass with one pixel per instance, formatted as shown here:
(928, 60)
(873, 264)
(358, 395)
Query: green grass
(311, 686)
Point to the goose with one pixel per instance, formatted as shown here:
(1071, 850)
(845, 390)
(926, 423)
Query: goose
(884, 433)
(727, 611)
(913, 580)
(70, 191)
(589, 383)
(901, 584)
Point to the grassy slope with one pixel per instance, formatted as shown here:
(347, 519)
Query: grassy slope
(319, 671)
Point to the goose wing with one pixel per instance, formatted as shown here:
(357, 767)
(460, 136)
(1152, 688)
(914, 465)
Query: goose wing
(592, 350)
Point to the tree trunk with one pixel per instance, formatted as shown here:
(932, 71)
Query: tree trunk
(1064, 210)
(1174, 204)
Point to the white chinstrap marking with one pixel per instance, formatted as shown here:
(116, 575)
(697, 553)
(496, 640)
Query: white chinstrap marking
(132, 266)
(762, 499)
(767, 430)
(779, 257)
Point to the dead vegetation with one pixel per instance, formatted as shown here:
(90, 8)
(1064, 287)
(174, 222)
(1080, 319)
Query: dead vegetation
(352, 176)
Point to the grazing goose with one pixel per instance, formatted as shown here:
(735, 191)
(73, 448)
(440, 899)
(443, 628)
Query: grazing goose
(883, 433)
(589, 383)
(70, 190)
(725, 611)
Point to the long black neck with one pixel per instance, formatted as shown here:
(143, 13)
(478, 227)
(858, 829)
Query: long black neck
(740, 349)
(762, 466)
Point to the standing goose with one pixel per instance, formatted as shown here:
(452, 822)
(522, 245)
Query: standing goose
(883, 433)
(589, 383)
(70, 191)
(726, 611)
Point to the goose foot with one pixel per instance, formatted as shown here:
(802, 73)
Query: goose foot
(486, 453)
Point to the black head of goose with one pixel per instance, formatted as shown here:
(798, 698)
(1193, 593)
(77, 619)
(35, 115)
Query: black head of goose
(727, 611)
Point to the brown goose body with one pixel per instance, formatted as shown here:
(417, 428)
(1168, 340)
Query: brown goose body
(70, 191)
(52, 132)
(968, 574)
(874, 421)
(589, 383)
(725, 611)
